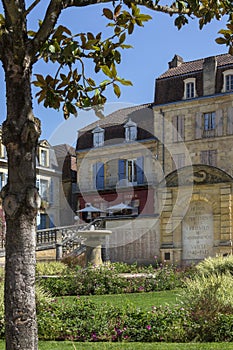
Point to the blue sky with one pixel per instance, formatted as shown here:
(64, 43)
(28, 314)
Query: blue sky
(154, 46)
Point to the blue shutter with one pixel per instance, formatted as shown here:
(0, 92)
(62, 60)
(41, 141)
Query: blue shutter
(98, 175)
(121, 169)
(140, 172)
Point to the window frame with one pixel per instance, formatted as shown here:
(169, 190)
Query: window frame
(44, 157)
(209, 124)
(98, 137)
(187, 83)
(130, 131)
(227, 73)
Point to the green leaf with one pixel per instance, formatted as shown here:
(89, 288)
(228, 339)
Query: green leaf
(117, 90)
(107, 71)
(108, 13)
(124, 81)
(122, 38)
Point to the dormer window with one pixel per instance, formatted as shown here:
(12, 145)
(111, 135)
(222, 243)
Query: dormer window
(44, 157)
(98, 137)
(227, 80)
(189, 88)
(130, 131)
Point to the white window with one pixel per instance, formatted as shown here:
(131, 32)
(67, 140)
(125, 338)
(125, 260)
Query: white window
(44, 157)
(98, 137)
(227, 80)
(209, 121)
(189, 88)
(130, 131)
(44, 190)
(131, 170)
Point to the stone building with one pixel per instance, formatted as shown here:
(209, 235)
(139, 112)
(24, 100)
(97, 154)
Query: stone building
(116, 163)
(183, 198)
(193, 113)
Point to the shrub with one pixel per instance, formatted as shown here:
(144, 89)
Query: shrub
(86, 321)
(207, 297)
(106, 279)
(51, 268)
(217, 265)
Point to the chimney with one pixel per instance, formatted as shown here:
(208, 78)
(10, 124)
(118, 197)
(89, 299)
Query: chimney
(175, 62)
(209, 74)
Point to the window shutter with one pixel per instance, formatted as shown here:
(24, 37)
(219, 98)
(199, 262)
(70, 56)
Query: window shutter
(174, 129)
(121, 169)
(198, 125)
(51, 192)
(140, 172)
(219, 123)
(213, 158)
(100, 176)
(204, 157)
(230, 121)
(181, 128)
(51, 220)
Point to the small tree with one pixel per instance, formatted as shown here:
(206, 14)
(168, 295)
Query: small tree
(70, 89)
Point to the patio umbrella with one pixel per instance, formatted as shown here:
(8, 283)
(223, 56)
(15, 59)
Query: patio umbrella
(90, 209)
(120, 206)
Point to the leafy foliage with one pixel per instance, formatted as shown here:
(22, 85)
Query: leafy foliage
(76, 90)
(72, 89)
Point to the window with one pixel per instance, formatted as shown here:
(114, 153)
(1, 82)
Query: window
(130, 131)
(227, 80)
(209, 157)
(44, 157)
(209, 123)
(189, 88)
(98, 137)
(131, 170)
(43, 189)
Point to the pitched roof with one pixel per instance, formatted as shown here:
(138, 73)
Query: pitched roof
(64, 149)
(195, 66)
(116, 118)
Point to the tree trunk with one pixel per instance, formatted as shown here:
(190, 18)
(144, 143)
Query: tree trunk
(21, 131)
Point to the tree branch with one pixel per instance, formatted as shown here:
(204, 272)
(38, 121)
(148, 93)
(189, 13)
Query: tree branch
(57, 6)
(31, 7)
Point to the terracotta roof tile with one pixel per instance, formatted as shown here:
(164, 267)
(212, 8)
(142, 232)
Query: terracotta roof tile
(195, 66)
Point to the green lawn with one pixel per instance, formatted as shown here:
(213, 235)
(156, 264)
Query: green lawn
(140, 300)
(52, 345)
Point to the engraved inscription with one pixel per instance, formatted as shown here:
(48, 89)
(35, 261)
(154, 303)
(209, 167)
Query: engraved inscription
(197, 232)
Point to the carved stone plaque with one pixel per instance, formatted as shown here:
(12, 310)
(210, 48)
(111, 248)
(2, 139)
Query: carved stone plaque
(197, 231)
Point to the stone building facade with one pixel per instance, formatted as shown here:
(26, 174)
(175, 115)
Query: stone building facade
(116, 163)
(193, 113)
(183, 206)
